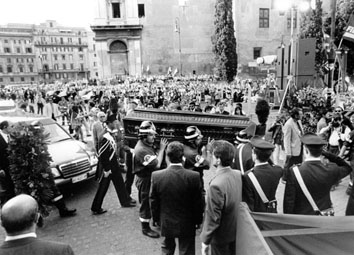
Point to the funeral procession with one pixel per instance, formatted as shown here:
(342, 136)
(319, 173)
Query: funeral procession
(191, 127)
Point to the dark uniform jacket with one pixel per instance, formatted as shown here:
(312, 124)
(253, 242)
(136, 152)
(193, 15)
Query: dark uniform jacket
(318, 179)
(107, 152)
(247, 160)
(268, 177)
(176, 201)
(193, 159)
(145, 159)
(31, 245)
(6, 184)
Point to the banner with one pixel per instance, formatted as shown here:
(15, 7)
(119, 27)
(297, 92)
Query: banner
(349, 32)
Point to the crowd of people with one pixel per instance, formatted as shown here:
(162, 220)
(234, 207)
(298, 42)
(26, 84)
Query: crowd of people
(169, 179)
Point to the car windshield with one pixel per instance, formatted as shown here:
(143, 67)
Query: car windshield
(56, 133)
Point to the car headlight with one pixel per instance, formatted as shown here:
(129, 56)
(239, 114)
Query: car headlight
(55, 172)
(93, 160)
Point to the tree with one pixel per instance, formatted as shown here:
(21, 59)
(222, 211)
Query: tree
(224, 41)
(311, 27)
(344, 9)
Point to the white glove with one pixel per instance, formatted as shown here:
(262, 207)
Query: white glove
(107, 173)
(205, 249)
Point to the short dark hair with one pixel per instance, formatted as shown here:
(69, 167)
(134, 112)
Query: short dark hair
(15, 225)
(175, 152)
(315, 150)
(262, 155)
(4, 124)
(225, 151)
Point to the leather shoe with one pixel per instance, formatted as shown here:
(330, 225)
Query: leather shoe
(132, 201)
(129, 204)
(151, 233)
(67, 212)
(98, 212)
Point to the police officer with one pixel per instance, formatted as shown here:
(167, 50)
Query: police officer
(146, 160)
(318, 178)
(266, 175)
(109, 162)
(196, 156)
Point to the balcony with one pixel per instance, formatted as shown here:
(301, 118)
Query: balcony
(117, 24)
(58, 44)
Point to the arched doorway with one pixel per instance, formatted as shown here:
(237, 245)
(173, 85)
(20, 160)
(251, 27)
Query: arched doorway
(119, 58)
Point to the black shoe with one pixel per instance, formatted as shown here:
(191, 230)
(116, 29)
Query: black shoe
(98, 212)
(129, 204)
(349, 189)
(150, 233)
(132, 201)
(67, 213)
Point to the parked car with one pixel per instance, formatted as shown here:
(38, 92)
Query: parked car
(72, 160)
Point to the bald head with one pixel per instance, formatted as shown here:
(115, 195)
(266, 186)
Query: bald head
(19, 214)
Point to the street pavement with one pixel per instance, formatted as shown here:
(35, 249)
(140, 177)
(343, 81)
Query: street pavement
(118, 232)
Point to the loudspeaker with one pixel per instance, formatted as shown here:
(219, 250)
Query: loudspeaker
(305, 65)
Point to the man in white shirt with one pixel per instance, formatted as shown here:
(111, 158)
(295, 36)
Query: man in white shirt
(19, 217)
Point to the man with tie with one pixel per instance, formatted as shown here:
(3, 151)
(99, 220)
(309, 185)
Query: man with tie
(97, 129)
(108, 158)
(6, 185)
(293, 147)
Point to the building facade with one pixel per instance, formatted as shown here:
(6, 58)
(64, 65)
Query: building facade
(45, 53)
(136, 37)
(17, 55)
(62, 52)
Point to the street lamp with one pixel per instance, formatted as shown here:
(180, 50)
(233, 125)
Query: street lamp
(178, 30)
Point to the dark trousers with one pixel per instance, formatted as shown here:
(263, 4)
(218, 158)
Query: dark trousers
(186, 245)
(225, 249)
(143, 186)
(118, 183)
(129, 177)
(289, 162)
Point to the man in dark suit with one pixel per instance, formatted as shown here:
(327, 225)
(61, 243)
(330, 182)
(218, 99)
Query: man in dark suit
(317, 177)
(6, 185)
(19, 216)
(223, 198)
(267, 175)
(176, 202)
(111, 171)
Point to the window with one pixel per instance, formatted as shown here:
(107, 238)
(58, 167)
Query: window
(63, 57)
(18, 50)
(72, 66)
(7, 50)
(44, 57)
(56, 67)
(28, 50)
(32, 78)
(257, 52)
(64, 66)
(79, 40)
(57, 75)
(9, 69)
(12, 79)
(22, 78)
(141, 10)
(116, 10)
(55, 57)
(20, 69)
(80, 49)
(61, 40)
(1, 69)
(294, 20)
(81, 57)
(95, 55)
(1, 80)
(70, 57)
(6, 41)
(22, 60)
(82, 67)
(8, 60)
(15, 41)
(70, 40)
(94, 47)
(264, 17)
(17, 60)
(94, 64)
(31, 69)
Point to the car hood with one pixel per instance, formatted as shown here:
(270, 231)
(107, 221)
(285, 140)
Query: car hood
(66, 151)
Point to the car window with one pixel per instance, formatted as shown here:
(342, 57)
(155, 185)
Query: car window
(56, 133)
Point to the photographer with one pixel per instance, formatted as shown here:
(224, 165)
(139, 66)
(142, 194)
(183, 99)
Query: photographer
(336, 133)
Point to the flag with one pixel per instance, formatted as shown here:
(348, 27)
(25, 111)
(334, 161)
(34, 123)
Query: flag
(349, 32)
(175, 72)
(169, 71)
(148, 69)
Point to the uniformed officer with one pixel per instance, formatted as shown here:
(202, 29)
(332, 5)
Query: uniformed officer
(109, 161)
(266, 175)
(146, 160)
(243, 154)
(196, 155)
(318, 178)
